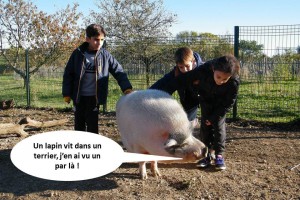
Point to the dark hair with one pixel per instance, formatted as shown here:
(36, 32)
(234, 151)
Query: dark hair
(227, 64)
(183, 54)
(94, 30)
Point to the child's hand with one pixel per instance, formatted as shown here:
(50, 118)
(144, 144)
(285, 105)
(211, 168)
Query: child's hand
(67, 99)
(128, 91)
(196, 82)
(208, 123)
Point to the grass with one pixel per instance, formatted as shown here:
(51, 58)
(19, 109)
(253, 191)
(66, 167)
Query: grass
(263, 100)
(269, 101)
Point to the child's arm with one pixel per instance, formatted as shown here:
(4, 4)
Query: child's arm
(163, 83)
(68, 77)
(117, 71)
(226, 103)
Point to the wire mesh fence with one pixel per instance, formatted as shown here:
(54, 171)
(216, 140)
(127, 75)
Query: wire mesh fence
(270, 75)
(270, 61)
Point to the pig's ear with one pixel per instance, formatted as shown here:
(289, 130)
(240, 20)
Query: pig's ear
(171, 145)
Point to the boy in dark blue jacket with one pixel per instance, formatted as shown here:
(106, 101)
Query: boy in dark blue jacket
(85, 78)
(217, 88)
(186, 60)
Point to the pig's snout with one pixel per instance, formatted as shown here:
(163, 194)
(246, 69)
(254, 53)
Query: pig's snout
(198, 155)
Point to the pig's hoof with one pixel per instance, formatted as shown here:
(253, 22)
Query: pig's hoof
(144, 176)
(156, 173)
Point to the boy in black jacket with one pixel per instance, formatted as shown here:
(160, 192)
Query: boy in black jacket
(217, 87)
(186, 60)
(85, 79)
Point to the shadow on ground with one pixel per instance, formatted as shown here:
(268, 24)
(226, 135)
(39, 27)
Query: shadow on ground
(12, 180)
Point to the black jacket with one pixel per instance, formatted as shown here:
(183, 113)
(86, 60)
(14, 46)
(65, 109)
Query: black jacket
(217, 99)
(188, 96)
(105, 63)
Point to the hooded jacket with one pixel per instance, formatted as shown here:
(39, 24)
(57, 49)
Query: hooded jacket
(188, 95)
(105, 63)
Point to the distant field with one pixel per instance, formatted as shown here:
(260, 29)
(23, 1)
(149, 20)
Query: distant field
(263, 100)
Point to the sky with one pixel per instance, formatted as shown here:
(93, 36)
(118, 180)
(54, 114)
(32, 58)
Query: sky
(214, 16)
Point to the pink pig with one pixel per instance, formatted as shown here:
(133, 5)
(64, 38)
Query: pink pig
(153, 122)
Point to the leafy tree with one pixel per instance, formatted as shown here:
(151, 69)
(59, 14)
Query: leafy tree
(212, 46)
(250, 49)
(138, 25)
(24, 27)
(207, 44)
(187, 37)
(286, 64)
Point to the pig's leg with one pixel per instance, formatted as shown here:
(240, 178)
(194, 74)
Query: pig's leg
(142, 169)
(154, 169)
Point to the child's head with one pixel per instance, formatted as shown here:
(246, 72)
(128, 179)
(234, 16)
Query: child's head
(184, 59)
(95, 36)
(224, 68)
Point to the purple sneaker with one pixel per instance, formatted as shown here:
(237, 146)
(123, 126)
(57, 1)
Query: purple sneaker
(219, 163)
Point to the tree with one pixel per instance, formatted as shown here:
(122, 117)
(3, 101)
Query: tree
(207, 45)
(138, 25)
(187, 37)
(211, 46)
(250, 49)
(24, 27)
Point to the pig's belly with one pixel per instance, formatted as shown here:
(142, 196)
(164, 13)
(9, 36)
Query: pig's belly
(146, 142)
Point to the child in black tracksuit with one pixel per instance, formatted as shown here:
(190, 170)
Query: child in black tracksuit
(217, 87)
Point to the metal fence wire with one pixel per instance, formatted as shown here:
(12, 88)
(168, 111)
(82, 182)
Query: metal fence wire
(270, 61)
(270, 71)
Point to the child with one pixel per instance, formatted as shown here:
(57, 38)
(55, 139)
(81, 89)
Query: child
(218, 88)
(85, 78)
(185, 60)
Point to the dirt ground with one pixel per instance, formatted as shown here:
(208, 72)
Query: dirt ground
(262, 163)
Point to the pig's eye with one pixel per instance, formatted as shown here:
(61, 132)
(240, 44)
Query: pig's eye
(183, 145)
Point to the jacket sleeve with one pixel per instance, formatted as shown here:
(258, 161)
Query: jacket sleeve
(118, 73)
(226, 104)
(170, 83)
(164, 83)
(68, 77)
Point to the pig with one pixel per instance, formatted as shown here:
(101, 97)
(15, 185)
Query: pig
(153, 122)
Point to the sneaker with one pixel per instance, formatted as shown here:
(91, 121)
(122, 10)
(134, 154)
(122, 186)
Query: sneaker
(205, 162)
(219, 163)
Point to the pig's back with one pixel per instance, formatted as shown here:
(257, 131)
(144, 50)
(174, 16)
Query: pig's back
(144, 116)
(149, 106)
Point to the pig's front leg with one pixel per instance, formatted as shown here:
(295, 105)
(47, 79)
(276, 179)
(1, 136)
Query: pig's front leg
(154, 169)
(142, 169)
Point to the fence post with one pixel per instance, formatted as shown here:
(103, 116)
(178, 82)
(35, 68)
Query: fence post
(236, 54)
(27, 78)
(104, 108)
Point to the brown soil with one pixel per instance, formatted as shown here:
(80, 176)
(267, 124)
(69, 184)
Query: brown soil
(262, 163)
